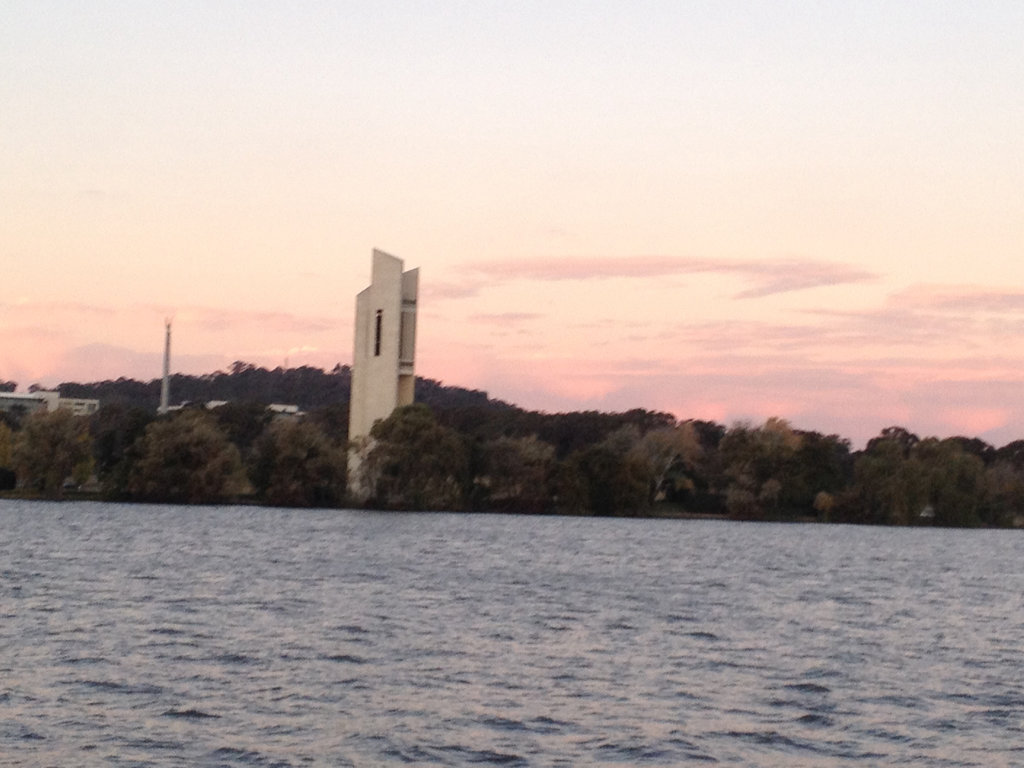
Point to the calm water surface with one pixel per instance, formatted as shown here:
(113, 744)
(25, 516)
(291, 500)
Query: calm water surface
(169, 636)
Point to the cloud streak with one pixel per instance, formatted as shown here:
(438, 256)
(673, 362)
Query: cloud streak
(765, 277)
(505, 318)
(965, 298)
(218, 320)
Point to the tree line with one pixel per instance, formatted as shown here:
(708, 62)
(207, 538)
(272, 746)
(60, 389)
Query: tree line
(463, 451)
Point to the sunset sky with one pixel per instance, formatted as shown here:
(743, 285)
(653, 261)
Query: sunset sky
(726, 210)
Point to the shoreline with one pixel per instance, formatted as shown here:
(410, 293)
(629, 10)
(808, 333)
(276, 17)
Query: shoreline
(666, 512)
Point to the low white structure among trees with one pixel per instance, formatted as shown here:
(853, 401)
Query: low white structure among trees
(47, 400)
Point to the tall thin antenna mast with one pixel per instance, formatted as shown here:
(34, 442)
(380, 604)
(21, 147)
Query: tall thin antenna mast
(165, 385)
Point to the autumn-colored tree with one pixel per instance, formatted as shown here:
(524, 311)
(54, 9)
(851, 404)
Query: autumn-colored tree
(671, 454)
(760, 468)
(50, 448)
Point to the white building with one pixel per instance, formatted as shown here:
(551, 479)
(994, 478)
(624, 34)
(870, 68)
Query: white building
(383, 357)
(47, 400)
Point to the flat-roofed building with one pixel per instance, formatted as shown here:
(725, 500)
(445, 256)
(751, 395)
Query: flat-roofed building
(26, 402)
(80, 406)
(46, 400)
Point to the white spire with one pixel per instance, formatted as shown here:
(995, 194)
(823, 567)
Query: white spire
(165, 385)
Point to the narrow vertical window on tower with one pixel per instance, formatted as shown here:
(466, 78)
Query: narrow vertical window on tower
(376, 333)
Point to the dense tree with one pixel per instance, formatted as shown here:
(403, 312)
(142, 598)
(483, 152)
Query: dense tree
(8, 478)
(671, 454)
(823, 465)
(570, 432)
(700, 491)
(332, 420)
(975, 447)
(185, 458)
(954, 481)
(903, 481)
(412, 462)
(50, 448)
(890, 486)
(898, 436)
(760, 471)
(1004, 493)
(1011, 453)
(14, 417)
(514, 475)
(6, 445)
(242, 422)
(295, 465)
(116, 430)
(609, 478)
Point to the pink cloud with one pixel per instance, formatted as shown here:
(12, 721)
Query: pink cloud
(504, 318)
(959, 299)
(767, 277)
(977, 421)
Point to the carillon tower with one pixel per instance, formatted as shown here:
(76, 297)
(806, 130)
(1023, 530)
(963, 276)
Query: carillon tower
(384, 354)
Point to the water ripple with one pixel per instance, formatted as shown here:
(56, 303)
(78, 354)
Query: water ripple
(161, 636)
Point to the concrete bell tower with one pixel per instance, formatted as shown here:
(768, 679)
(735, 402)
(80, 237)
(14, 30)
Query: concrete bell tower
(384, 354)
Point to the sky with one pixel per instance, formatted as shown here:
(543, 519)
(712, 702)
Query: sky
(725, 210)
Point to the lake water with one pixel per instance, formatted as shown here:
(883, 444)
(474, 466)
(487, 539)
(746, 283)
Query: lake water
(234, 636)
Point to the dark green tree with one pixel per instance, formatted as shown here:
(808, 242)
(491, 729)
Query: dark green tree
(824, 465)
(185, 458)
(332, 420)
(412, 462)
(897, 435)
(954, 479)
(515, 475)
(116, 429)
(609, 478)
(1004, 493)
(8, 477)
(242, 422)
(295, 465)
(6, 445)
(890, 486)
(1012, 453)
